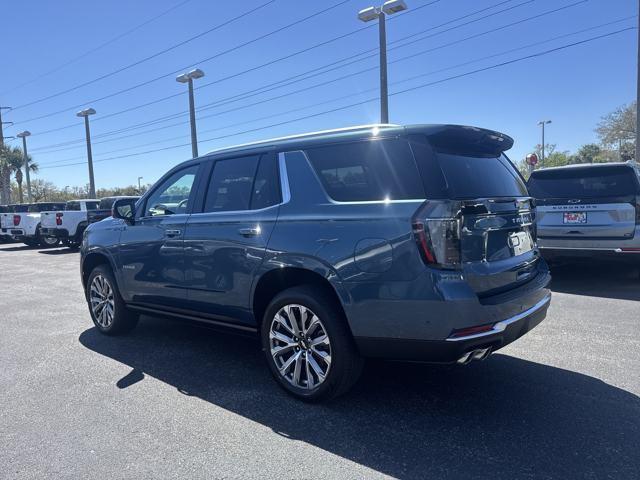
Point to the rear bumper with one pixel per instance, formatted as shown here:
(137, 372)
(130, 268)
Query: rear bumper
(60, 233)
(452, 349)
(417, 322)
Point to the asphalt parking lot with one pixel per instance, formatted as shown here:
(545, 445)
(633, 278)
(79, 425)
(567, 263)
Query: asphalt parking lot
(178, 401)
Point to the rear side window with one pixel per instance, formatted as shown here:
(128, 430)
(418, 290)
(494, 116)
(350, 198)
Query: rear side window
(230, 185)
(266, 186)
(72, 206)
(46, 207)
(368, 171)
(469, 176)
(584, 182)
(94, 205)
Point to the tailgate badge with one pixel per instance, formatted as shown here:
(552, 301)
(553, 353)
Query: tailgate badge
(574, 200)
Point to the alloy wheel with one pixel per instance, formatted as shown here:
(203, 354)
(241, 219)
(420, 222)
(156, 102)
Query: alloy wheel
(102, 302)
(300, 346)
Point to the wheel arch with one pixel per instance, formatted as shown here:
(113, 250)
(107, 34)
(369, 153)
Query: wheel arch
(276, 280)
(91, 260)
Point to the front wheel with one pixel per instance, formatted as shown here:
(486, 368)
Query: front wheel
(108, 311)
(308, 345)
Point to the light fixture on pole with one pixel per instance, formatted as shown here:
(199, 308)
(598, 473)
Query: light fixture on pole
(371, 13)
(85, 113)
(542, 123)
(25, 158)
(188, 78)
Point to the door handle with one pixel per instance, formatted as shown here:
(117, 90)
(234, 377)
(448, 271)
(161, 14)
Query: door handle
(173, 233)
(249, 232)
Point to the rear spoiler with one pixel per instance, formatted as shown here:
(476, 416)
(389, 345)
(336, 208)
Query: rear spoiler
(464, 139)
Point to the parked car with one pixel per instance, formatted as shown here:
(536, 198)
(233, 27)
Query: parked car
(4, 237)
(104, 209)
(6, 220)
(24, 224)
(407, 243)
(68, 225)
(589, 210)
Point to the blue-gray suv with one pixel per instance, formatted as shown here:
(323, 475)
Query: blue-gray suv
(407, 243)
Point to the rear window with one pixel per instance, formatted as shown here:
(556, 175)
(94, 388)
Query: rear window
(584, 182)
(20, 208)
(46, 207)
(479, 177)
(368, 171)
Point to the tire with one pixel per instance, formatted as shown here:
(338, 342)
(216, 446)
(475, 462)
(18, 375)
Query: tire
(113, 318)
(344, 366)
(46, 242)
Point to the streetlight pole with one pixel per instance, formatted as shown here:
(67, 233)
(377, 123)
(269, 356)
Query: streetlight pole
(371, 13)
(3, 123)
(542, 123)
(92, 183)
(25, 159)
(188, 79)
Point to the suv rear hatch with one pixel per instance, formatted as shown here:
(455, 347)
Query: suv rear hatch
(479, 218)
(594, 201)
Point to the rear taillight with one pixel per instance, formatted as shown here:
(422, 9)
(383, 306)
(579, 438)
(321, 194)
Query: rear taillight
(436, 228)
(59, 218)
(16, 220)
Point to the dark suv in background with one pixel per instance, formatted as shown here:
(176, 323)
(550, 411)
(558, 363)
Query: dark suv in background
(407, 243)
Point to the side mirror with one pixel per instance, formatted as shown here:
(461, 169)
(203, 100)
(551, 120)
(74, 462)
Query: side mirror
(124, 208)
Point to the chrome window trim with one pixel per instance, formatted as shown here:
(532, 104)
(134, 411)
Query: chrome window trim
(502, 325)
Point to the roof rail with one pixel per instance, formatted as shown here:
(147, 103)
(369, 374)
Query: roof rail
(354, 128)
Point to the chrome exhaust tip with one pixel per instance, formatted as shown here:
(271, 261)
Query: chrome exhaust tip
(479, 354)
(466, 358)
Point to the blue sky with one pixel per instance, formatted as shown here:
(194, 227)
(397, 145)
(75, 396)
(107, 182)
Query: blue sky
(573, 87)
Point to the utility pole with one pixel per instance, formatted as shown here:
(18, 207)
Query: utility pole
(139, 185)
(92, 183)
(380, 13)
(25, 159)
(3, 123)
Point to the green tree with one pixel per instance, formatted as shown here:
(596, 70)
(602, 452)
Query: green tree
(11, 162)
(589, 153)
(618, 128)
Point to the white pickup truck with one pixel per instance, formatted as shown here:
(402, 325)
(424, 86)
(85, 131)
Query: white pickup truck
(24, 226)
(69, 225)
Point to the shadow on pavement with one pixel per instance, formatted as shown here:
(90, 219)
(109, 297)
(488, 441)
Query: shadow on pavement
(59, 251)
(597, 279)
(20, 248)
(503, 418)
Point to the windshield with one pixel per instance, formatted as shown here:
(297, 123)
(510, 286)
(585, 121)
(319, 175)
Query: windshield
(480, 177)
(583, 182)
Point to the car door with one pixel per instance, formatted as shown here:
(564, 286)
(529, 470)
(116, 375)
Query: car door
(225, 241)
(151, 252)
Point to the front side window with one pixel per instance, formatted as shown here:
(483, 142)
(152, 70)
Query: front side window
(172, 196)
(370, 170)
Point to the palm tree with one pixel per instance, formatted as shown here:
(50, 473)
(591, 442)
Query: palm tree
(11, 161)
(33, 168)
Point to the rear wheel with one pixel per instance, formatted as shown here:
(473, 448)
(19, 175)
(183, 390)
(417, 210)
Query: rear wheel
(308, 346)
(108, 311)
(44, 241)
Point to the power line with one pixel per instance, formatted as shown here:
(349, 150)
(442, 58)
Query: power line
(224, 101)
(522, 47)
(147, 82)
(279, 84)
(145, 59)
(99, 47)
(400, 92)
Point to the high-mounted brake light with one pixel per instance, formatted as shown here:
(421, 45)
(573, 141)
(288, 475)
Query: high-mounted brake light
(59, 218)
(16, 220)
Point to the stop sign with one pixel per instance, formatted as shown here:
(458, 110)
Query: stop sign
(532, 159)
